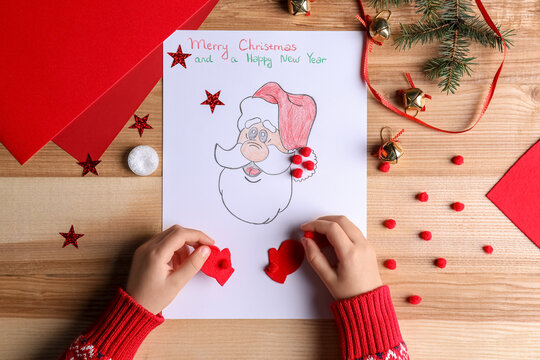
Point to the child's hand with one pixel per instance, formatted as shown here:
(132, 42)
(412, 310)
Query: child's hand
(356, 271)
(163, 265)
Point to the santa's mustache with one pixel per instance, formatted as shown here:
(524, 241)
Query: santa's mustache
(275, 163)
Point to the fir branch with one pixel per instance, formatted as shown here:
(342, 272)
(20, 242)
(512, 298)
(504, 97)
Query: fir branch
(476, 29)
(421, 32)
(387, 4)
(428, 8)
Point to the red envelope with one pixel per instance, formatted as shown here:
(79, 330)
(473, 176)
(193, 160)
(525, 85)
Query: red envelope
(76, 71)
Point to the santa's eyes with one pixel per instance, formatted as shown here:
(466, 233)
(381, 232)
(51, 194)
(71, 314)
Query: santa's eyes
(263, 136)
(252, 134)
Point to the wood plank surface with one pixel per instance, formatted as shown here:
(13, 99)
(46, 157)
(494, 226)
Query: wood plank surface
(480, 307)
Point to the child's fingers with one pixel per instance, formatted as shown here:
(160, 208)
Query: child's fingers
(334, 233)
(354, 233)
(318, 261)
(190, 267)
(179, 237)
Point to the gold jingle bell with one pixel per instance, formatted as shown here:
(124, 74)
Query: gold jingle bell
(390, 151)
(299, 7)
(379, 29)
(413, 99)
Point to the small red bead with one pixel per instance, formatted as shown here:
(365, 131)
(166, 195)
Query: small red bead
(305, 151)
(309, 165)
(390, 223)
(384, 167)
(297, 173)
(296, 159)
(426, 235)
(441, 262)
(309, 234)
(488, 249)
(458, 206)
(390, 264)
(458, 160)
(415, 299)
(423, 196)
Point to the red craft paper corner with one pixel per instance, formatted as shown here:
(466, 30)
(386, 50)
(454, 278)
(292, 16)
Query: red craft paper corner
(517, 194)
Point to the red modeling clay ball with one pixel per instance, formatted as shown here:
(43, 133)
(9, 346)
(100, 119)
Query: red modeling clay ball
(426, 235)
(488, 249)
(458, 159)
(296, 159)
(390, 223)
(306, 151)
(441, 262)
(415, 299)
(309, 234)
(390, 264)
(297, 173)
(384, 167)
(423, 196)
(458, 206)
(309, 165)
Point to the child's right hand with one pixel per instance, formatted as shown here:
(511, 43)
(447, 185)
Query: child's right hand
(357, 271)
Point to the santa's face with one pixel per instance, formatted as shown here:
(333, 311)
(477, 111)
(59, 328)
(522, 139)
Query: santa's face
(255, 184)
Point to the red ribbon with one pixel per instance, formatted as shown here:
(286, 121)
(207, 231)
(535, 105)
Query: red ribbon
(364, 20)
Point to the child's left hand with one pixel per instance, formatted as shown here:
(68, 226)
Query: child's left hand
(163, 265)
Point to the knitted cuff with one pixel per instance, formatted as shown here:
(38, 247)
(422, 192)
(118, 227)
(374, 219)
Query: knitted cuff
(367, 324)
(122, 328)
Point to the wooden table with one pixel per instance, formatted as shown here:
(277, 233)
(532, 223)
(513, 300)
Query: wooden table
(479, 307)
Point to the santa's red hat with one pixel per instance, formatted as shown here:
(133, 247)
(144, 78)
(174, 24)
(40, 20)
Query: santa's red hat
(295, 113)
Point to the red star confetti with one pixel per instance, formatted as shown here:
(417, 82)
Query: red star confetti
(71, 238)
(89, 165)
(212, 100)
(179, 57)
(141, 124)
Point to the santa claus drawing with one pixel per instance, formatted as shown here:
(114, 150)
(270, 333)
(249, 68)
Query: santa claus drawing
(256, 182)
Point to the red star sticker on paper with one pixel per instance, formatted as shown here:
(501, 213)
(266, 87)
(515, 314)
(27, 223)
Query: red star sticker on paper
(141, 124)
(71, 238)
(212, 100)
(179, 57)
(89, 165)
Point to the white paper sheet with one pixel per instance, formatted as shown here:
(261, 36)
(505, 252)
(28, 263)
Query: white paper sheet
(191, 173)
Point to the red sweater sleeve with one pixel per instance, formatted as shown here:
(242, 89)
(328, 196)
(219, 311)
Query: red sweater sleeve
(368, 327)
(117, 334)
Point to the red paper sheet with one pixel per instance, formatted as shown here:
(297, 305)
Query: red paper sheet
(517, 194)
(77, 63)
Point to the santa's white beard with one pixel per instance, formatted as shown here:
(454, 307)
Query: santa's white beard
(256, 200)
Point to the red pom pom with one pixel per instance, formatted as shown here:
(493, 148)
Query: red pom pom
(441, 262)
(488, 249)
(426, 235)
(309, 234)
(415, 299)
(296, 159)
(384, 167)
(297, 173)
(458, 160)
(305, 151)
(458, 206)
(423, 196)
(309, 165)
(390, 264)
(390, 223)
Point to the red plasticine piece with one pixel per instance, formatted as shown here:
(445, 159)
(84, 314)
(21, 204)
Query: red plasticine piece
(458, 160)
(426, 235)
(440, 262)
(297, 173)
(305, 151)
(415, 299)
(309, 165)
(423, 196)
(309, 235)
(384, 167)
(488, 249)
(390, 223)
(284, 261)
(390, 264)
(296, 159)
(218, 265)
(458, 206)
